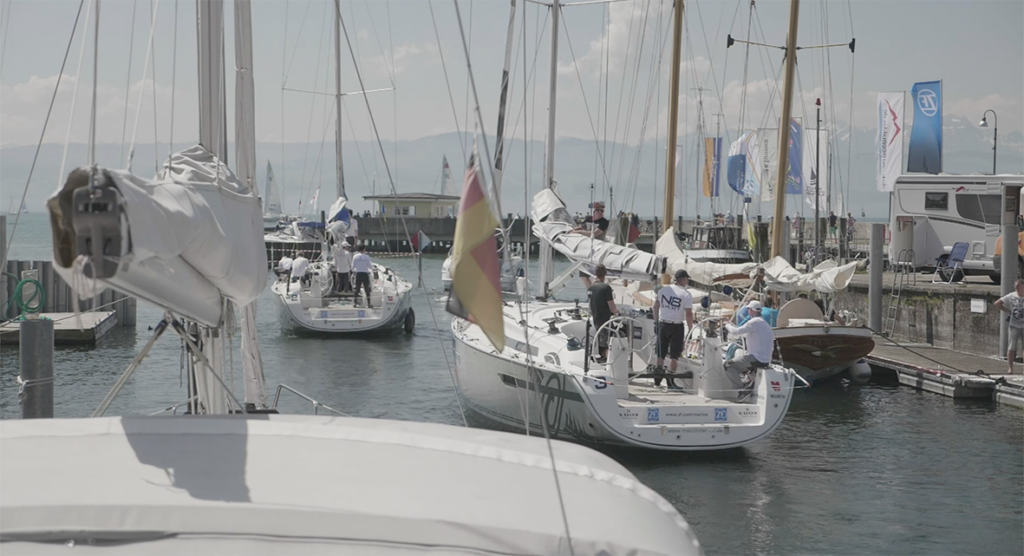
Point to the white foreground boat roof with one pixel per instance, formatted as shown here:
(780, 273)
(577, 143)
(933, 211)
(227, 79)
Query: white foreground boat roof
(282, 484)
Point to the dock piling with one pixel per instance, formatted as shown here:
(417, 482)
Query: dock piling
(875, 276)
(36, 378)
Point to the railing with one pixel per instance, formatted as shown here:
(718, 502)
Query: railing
(316, 404)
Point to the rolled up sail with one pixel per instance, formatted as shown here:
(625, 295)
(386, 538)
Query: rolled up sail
(553, 223)
(185, 241)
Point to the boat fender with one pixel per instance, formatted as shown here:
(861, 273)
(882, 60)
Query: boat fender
(410, 321)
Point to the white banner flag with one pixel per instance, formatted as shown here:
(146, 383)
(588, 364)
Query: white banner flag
(889, 140)
(816, 183)
(764, 152)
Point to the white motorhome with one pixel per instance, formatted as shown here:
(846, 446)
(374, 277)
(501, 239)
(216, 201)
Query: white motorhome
(929, 213)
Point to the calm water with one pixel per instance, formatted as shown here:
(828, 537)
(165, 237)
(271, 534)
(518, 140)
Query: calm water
(876, 469)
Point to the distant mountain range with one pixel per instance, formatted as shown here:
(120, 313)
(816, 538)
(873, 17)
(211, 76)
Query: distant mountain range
(635, 172)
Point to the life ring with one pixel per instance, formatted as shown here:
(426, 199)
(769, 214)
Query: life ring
(410, 321)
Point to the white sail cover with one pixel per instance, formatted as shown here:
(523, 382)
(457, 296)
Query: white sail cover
(285, 484)
(827, 277)
(553, 223)
(192, 237)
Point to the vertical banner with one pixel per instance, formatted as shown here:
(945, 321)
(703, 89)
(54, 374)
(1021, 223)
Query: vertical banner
(712, 161)
(765, 154)
(794, 157)
(926, 136)
(889, 140)
(816, 185)
(736, 163)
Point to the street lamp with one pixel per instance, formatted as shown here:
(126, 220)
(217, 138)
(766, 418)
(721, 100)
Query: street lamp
(995, 134)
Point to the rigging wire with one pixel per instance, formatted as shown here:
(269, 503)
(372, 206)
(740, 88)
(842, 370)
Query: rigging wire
(7, 23)
(306, 188)
(128, 80)
(156, 132)
(284, 77)
(74, 95)
(46, 122)
(142, 89)
(447, 82)
(174, 75)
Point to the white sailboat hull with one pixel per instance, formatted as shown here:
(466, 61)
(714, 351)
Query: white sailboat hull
(391, 299)
(508, 274)
(590, 407)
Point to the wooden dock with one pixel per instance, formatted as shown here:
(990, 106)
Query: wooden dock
(951, 373)
(87, 328)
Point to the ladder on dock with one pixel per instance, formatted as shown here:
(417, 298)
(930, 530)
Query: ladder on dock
(904, 271)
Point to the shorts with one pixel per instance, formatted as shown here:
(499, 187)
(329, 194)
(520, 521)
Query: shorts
(602, 337)
(670, 339)
(1016, 339)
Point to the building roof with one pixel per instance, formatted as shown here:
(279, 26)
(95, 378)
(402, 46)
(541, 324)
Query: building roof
(413, 197)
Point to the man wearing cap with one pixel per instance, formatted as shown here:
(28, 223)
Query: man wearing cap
(760, 341)
(596, 225)
(673, 311)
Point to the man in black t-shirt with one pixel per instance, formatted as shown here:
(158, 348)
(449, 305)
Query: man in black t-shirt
(595, 226)
(602, 307)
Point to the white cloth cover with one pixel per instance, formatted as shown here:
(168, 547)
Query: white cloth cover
(553, 223)
(194, 234)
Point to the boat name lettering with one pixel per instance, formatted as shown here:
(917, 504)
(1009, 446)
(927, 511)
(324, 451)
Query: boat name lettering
(747, 412)
(777, 396)
(629, 415)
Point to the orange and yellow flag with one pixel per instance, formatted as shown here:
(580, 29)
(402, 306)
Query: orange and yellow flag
(476, 271)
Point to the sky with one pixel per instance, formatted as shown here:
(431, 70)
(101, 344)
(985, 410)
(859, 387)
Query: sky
(612, 71)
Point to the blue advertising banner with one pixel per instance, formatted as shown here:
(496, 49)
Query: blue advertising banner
(926, 136)
(795, 172)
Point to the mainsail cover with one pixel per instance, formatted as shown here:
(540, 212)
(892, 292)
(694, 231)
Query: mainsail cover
(553, 223)
(827, 277)
(190, 238)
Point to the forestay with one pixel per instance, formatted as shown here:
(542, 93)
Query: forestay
(553, 223)
(186, 241)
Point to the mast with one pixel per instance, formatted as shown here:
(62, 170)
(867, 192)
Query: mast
(547, 270)
(778, 226)
(339, 168)
(499, 162)
(673, 119)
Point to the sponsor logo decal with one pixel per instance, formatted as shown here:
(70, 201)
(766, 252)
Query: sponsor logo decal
(927, 102)
(362, 314)
(652, 414)
(747, 413)
(721, 414)
(600, 384)
(776, 386)
(323, 314)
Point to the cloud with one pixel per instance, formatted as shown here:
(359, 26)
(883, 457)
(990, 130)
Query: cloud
(406, 56)
(627, 22)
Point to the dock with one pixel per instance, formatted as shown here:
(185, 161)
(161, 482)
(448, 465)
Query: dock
(953, 374)
(87, 328)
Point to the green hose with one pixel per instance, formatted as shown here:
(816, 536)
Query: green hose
(26, 306)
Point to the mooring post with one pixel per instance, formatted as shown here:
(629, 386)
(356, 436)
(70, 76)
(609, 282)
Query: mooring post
(36, 378)
(875, 276)
(1008, 270)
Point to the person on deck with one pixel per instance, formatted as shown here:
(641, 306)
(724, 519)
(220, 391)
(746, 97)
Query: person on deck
(760, 341)
(342, 268)
(602, 307)
(284, 268)
(673, 313)
(1013, 304)
(300, 270)
(363, 266)
(595, 226)
(833, 223)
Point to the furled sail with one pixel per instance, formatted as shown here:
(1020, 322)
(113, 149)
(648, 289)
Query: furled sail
(553, 223)
(827, 277)
(185, 241)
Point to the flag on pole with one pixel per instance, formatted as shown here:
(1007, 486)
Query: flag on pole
(926, 137)
(420, 241)
(712, 161)
(312, 202)
(889, 140)
(476, 283)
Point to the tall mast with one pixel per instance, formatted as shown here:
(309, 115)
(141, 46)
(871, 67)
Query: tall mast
(499, 161)
(673, 118)
(339, 168)
(778, 226)
(547, 269)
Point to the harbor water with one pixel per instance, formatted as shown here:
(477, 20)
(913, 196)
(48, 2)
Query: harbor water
(872, 469)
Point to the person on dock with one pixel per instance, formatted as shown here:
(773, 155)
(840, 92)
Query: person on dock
(602, 307)
(1013, 304)
(363, 266)
(342, 268)
(595, 225)
(673, 313)
(833, 224)
(760, 341)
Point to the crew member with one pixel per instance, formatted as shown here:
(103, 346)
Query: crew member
(673, 311)
(284, 268)
(595, 226)
(342, 268)
(602, 307)
(760, 341)
(362, 266)
(300, 270)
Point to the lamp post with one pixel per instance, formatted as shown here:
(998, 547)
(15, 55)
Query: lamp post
(995, 134)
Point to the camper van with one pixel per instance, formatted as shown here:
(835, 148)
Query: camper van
(929, 213)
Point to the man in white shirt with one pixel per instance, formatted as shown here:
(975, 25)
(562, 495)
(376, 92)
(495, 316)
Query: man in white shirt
(342, 268)
(1013, 304)
(673, 311)
(300, 270)
(362, 266)
(284, 268)
(352, 235)
(760, 341)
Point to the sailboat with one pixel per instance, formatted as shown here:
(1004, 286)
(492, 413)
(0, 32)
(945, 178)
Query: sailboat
(238, 477)
(548, 377)
(315, 305)
(12, 210)
(272, 214)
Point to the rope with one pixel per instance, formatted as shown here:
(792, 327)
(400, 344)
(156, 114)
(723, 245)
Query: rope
(24, 305)
(23, 384)
(128, 78)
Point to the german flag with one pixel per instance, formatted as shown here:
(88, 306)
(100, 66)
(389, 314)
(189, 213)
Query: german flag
(476, 272)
